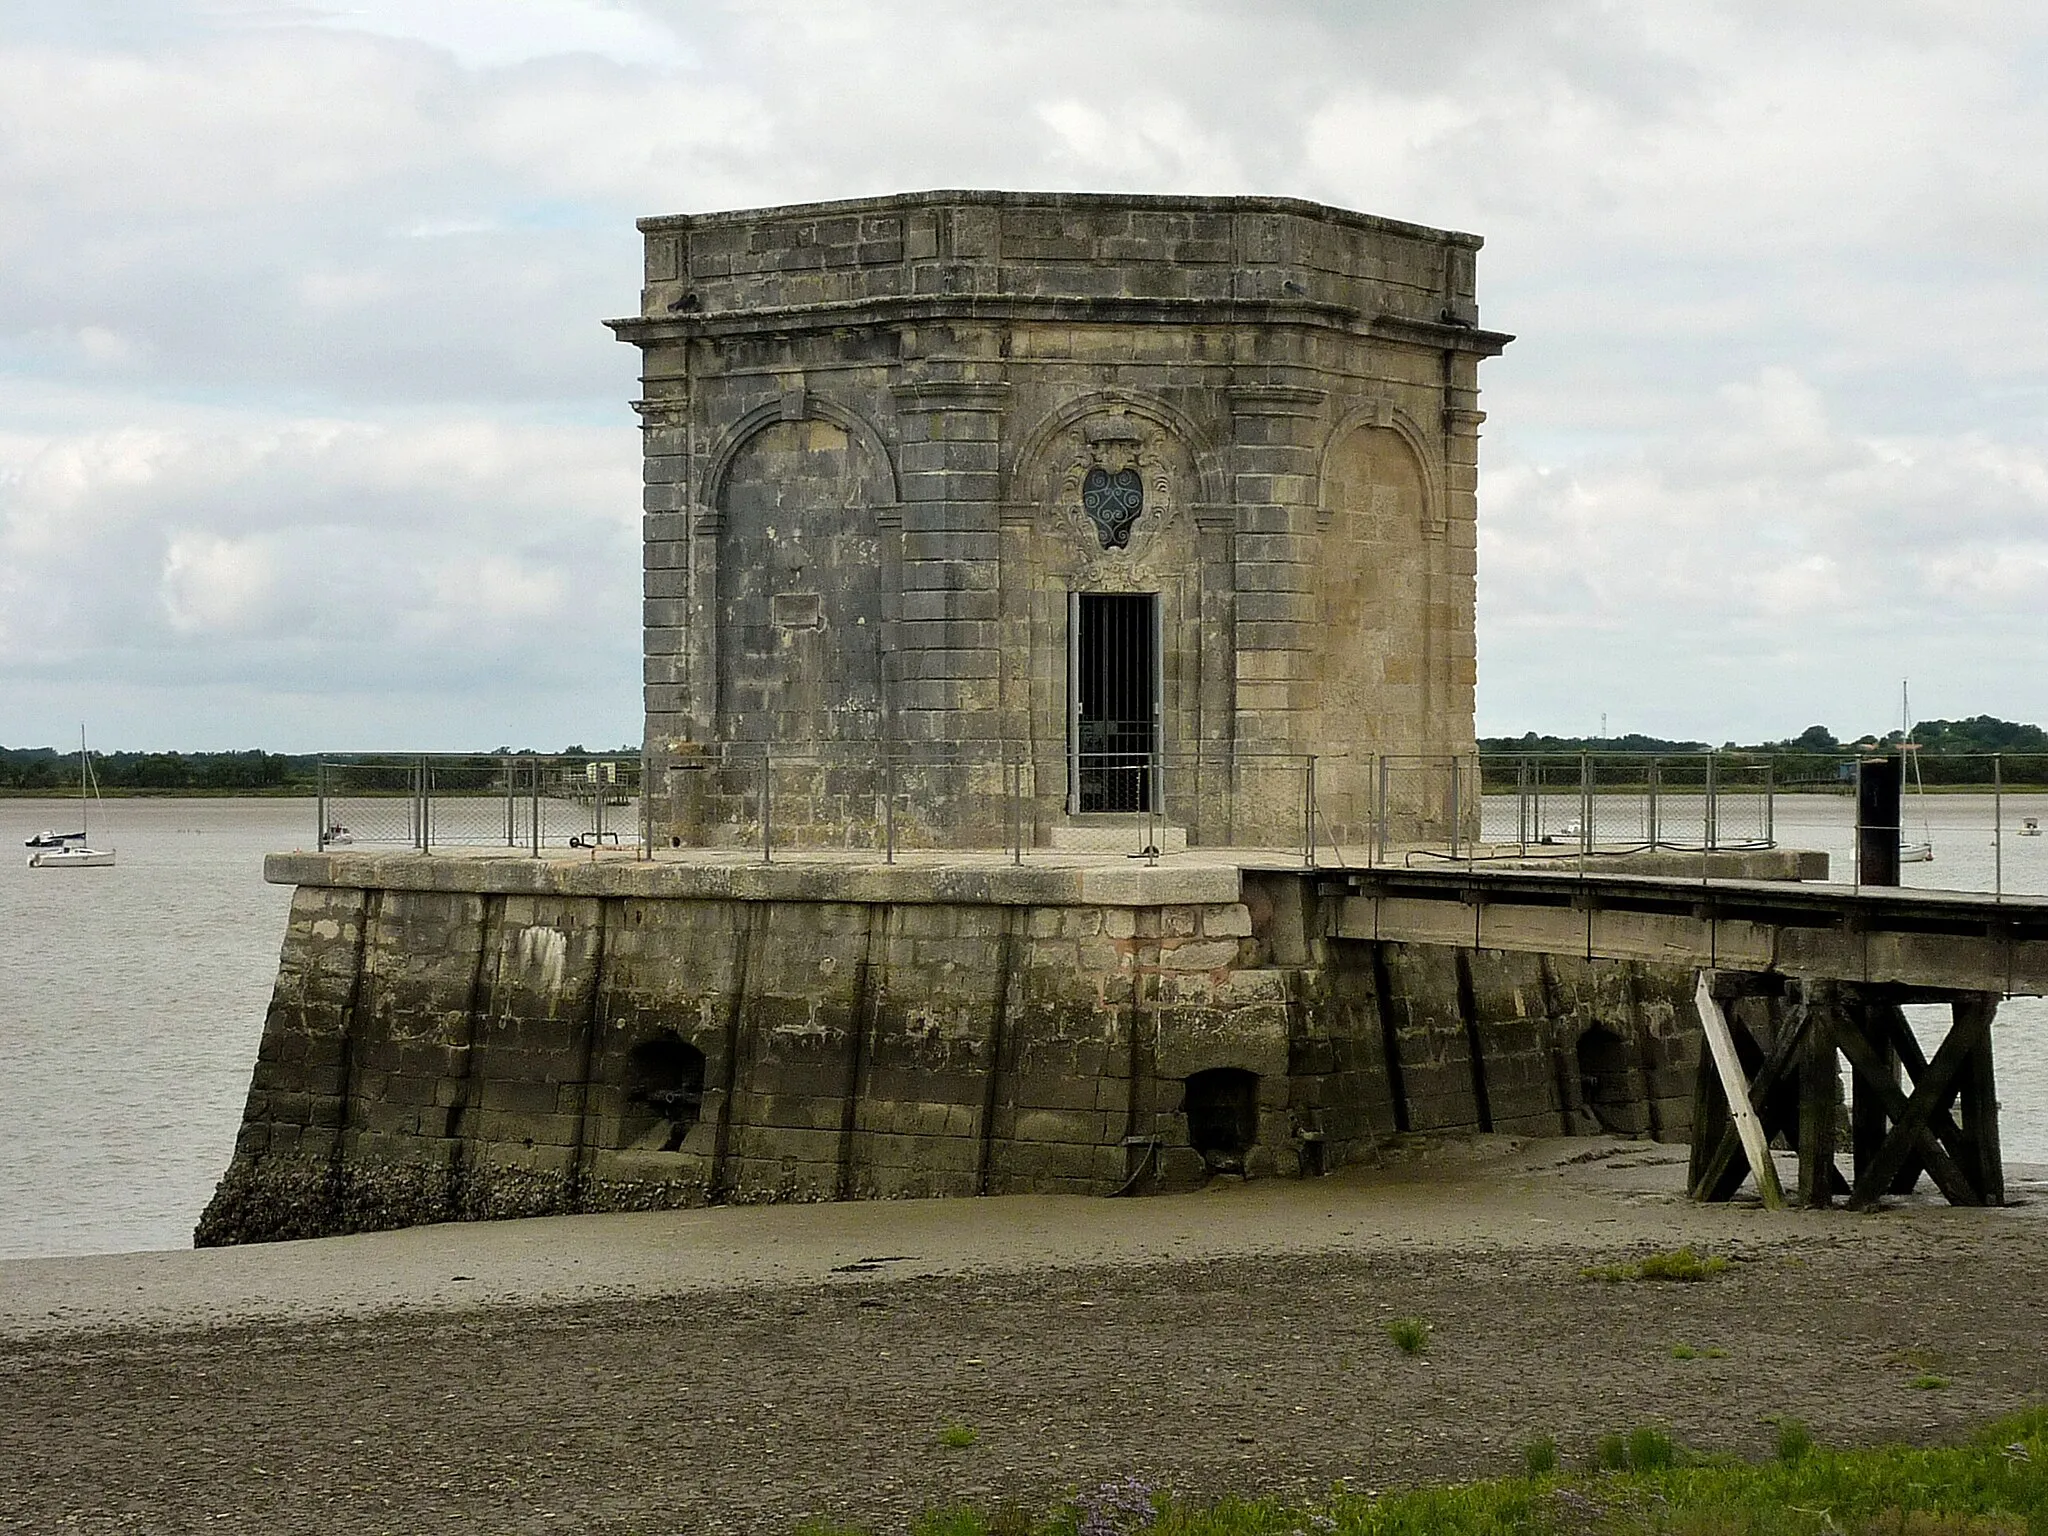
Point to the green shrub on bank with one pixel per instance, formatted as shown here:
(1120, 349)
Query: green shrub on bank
(1995, 1485)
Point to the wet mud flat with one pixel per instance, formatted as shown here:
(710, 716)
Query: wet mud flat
(828, 1389)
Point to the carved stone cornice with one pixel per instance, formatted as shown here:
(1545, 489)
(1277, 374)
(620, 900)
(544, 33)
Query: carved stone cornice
(1276, 400)
(669, 411)
(950, 395)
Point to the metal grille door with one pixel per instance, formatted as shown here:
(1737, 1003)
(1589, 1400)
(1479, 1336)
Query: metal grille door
(1115, 674)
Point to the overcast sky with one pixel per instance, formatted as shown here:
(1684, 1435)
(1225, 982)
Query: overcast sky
(310, 435)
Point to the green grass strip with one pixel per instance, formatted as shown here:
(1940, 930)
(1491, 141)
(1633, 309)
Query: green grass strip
(1994, 1485)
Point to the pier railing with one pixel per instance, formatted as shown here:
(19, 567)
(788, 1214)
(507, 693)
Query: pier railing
(1974, 823)
(524, 802)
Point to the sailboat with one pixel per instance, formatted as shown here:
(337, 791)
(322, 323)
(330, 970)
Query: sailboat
(75, 851)
(1921, 852)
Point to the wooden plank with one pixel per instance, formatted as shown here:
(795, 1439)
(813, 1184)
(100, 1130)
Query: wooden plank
(1767, 1075)
(1710, 1125)
(1729, 1065)
(1820, 1089)
(1911, 1128)
(1868, 1122)
(1980, 1097)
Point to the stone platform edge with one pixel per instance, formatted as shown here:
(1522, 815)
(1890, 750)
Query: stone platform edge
(1094, 885)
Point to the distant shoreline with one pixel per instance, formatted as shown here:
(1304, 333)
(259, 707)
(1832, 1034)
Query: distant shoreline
(289, 792)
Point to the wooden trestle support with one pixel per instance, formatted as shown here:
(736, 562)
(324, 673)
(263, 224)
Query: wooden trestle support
(1786, 1034)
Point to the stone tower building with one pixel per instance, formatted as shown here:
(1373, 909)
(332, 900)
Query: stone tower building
(1007, 507)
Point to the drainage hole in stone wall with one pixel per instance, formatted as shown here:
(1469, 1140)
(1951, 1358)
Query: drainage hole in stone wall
(1222, 1107)
(664, 1090)
(1603, 1079)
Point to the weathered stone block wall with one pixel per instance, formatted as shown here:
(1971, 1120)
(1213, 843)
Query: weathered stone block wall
(507, 1049)
(867, 429)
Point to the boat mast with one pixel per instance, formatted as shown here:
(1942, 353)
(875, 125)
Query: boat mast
(84, 808)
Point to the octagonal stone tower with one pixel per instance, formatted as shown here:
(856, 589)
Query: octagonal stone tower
(994, 514)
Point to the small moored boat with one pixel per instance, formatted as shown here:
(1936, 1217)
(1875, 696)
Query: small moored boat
(73, 850)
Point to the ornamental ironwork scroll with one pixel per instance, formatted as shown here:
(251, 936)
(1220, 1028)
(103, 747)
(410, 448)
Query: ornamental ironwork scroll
(1113, 499)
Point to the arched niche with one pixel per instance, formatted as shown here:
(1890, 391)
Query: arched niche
(800, 495)
(1376, 507)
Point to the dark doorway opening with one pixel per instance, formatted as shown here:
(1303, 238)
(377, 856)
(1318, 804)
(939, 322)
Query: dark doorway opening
(1115, 678)
(664, 1090)
(1222, 1106)
(1604, 1082)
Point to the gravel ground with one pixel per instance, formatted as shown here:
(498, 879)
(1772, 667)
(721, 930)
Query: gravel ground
(749, 1406)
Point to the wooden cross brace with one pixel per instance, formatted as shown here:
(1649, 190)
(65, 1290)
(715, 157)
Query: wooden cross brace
(1962, 1159)
(1788, 1093)
(1793, 1091)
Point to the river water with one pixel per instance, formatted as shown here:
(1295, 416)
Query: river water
(132, 1001)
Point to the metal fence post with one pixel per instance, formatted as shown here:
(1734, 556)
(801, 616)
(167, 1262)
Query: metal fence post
(533, 787)
(646, 811)
(888, 808)
(510, 814)
(320, 805)
(1455, 806)
(1014, 783)
(1372, 828)
(767, 834)
(1713, 838)
(1155, 786)
(1381, 815)
(1770, 804)
(1650, 811)
(1997, 827)
(1521, 803)
(1308, 812)
(422, 799)
(1585, 810)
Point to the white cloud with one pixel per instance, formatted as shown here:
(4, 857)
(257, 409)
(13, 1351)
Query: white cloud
(218, 586)
(306, 416)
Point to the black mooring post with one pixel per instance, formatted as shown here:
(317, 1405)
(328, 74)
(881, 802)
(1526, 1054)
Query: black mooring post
(1877, 821)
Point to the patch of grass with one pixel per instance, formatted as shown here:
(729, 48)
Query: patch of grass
(957, 1437)
(1539, 1457)
(1410, 1334)
(1643, 1449)
(1996, 1484)
(1690, 1352)
(1673, 1264)
(1680, 1264)
(1927, 1381)
(1650, 1449)
(1916, 1359)
(1795, 1441)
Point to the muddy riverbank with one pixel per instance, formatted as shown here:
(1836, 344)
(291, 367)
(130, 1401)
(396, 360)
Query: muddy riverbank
(731, 1370)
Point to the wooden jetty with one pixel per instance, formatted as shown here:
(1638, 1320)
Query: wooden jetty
(1793, 977)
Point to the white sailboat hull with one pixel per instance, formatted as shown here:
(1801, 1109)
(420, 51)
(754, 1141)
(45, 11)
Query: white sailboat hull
(1916, 853)
(71, 858)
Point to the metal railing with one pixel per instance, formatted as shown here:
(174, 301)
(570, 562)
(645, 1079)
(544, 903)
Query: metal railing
(1971, 823)
(524, 802)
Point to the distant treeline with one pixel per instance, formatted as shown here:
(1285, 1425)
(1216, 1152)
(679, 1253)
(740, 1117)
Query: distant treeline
(1982, 734)
(1950, 752)
(46, 770)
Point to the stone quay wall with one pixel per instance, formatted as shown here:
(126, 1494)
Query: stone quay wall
(456, 1039)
